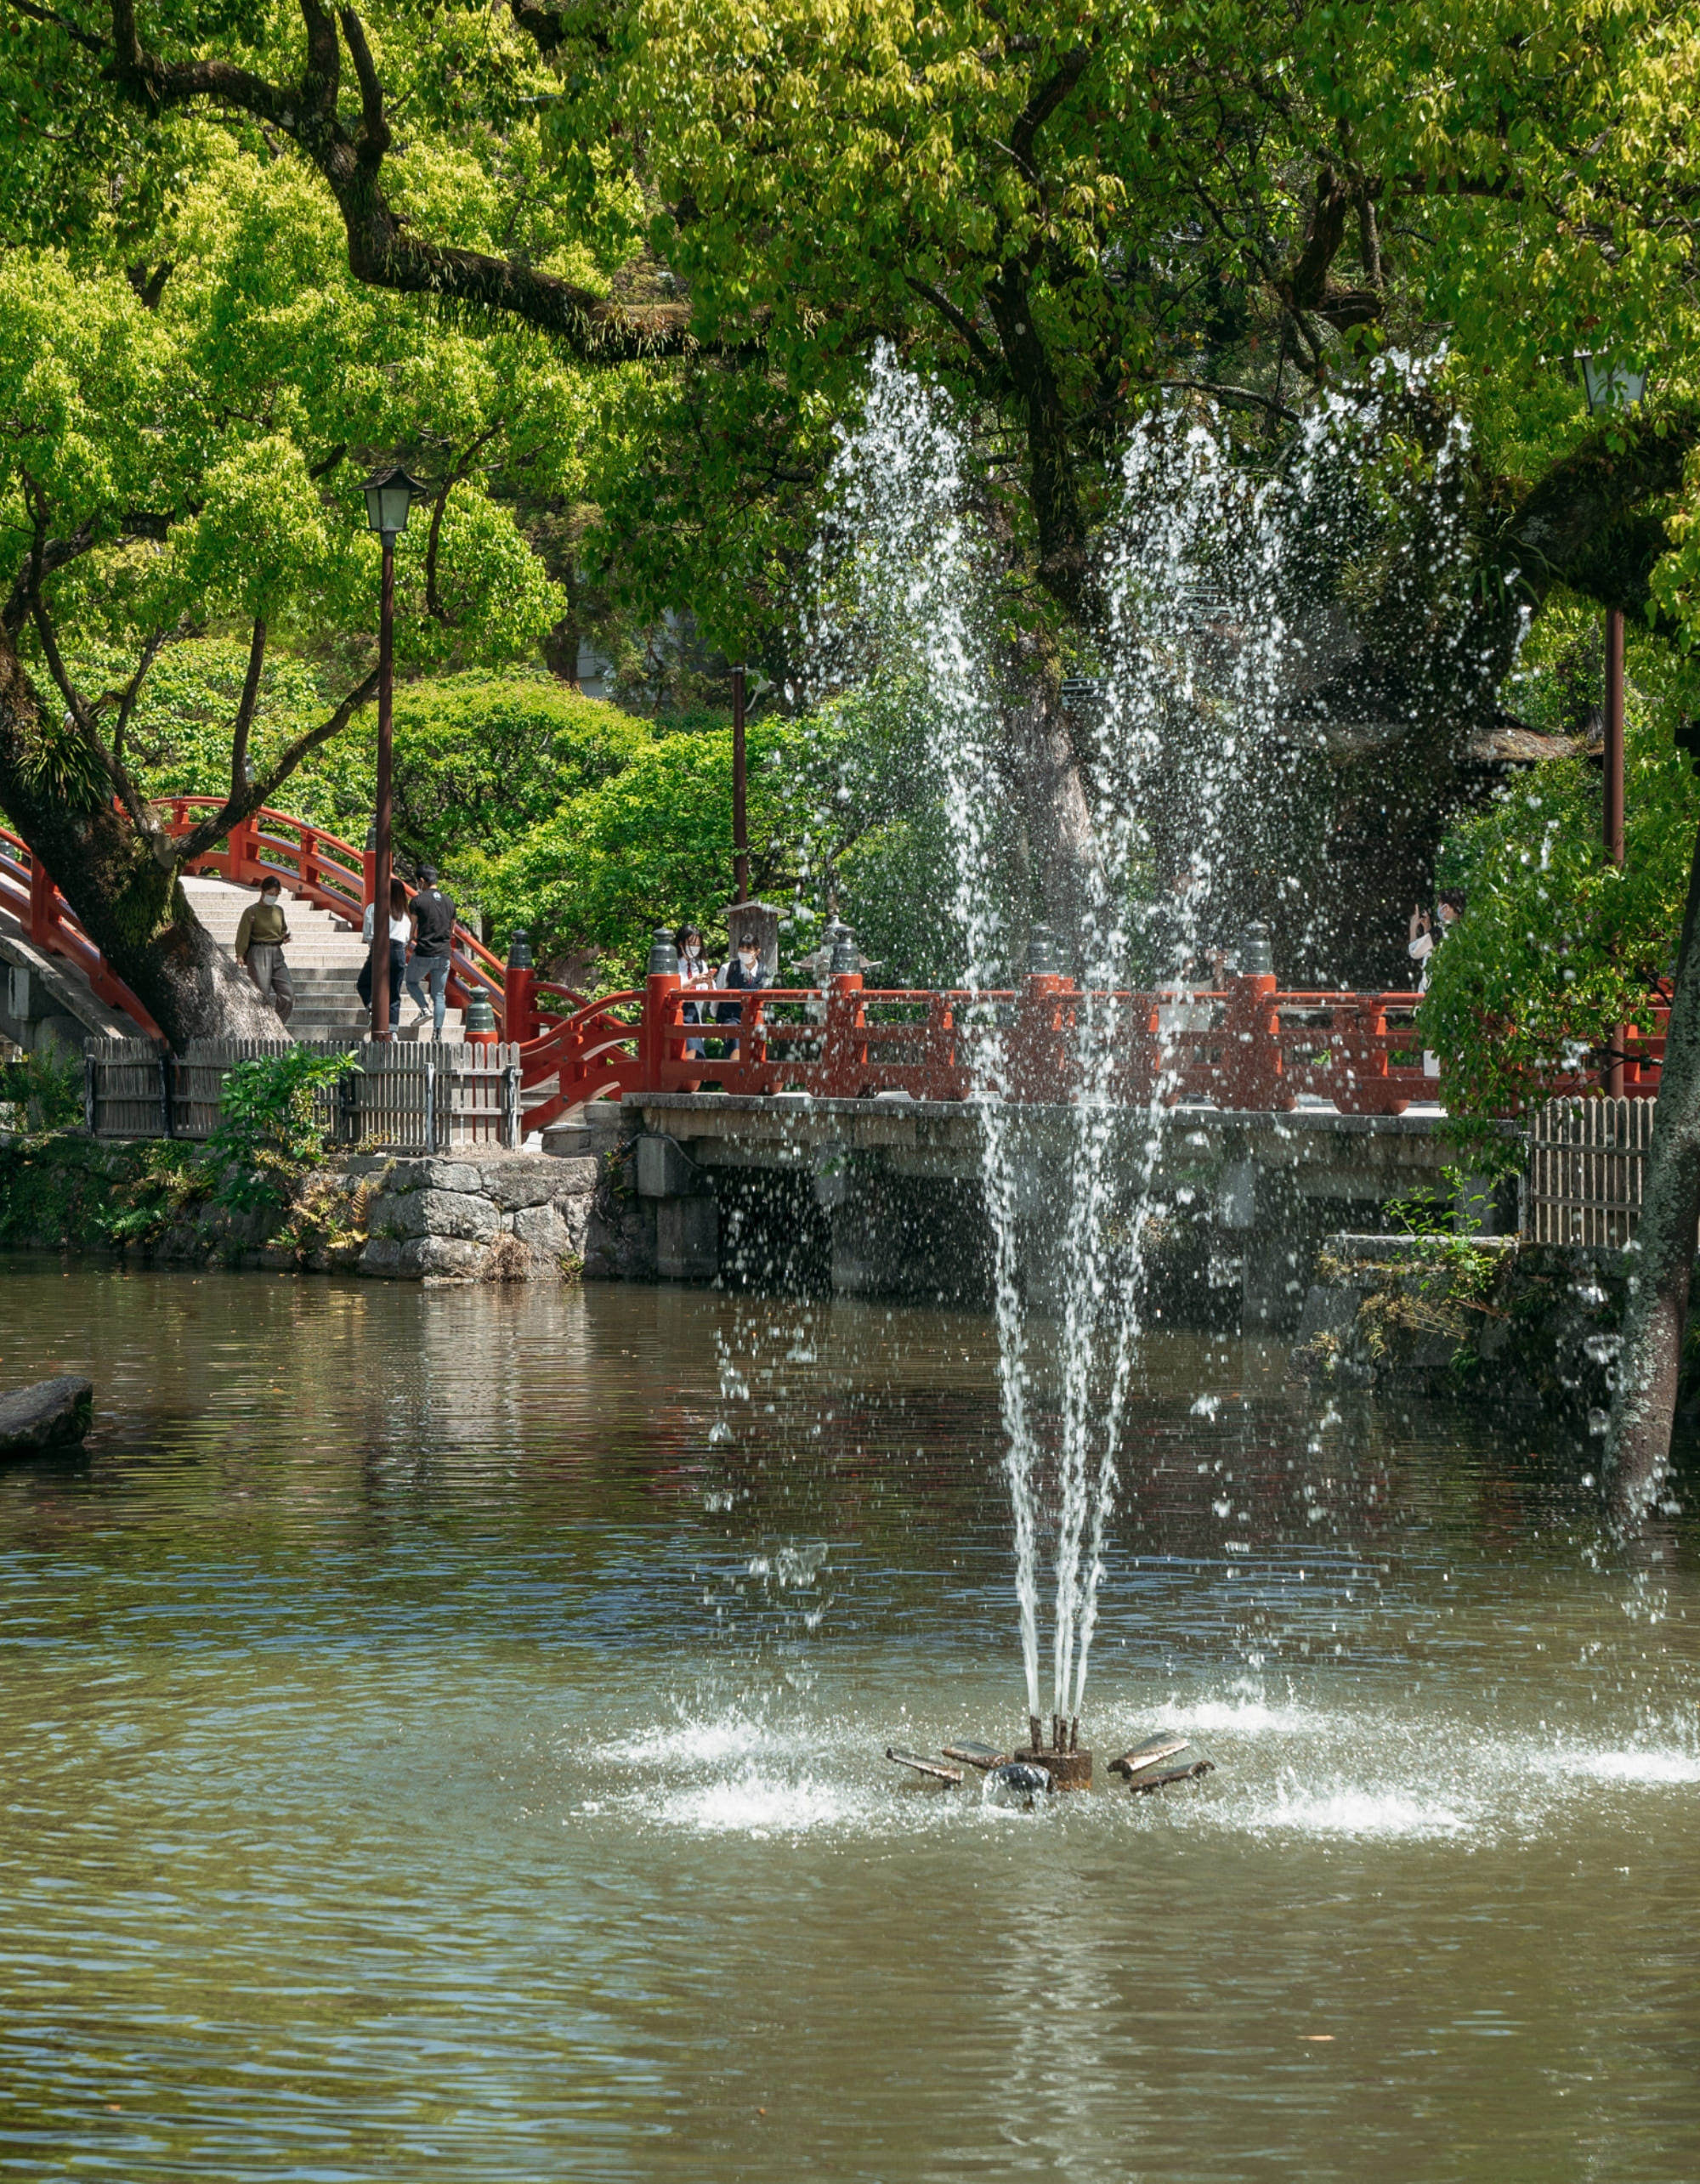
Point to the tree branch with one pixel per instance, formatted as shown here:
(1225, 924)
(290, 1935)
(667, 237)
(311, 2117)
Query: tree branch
(1276, 409)
(983, 352)
(132, 690)
(375, 137)
(1586, 524)
(53, 20)
(1043, 104)
(241, 806)
(45, 556)
(245, 710)
(384, 252)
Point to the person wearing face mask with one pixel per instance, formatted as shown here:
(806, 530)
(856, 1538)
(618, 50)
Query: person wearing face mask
(741, 974)
(1423, 943)
(693, 971)
(261, 938)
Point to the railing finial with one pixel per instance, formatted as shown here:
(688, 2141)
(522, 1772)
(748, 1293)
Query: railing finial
(1257, 957)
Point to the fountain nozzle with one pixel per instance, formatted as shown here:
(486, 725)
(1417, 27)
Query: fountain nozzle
(1059, 1756)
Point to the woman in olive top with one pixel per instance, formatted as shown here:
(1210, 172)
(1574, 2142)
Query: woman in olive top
(261, 939)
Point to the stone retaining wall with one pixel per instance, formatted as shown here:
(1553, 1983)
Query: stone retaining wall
(486, 1216)
(507, 1217)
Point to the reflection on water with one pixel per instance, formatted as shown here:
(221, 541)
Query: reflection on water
(442, 1737)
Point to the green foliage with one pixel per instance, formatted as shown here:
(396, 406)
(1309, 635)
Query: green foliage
(652, 846)
(268, 1130)
(42, 1090)
(845, 820)
(1557, 946)
(478, 758)
(67, 1188)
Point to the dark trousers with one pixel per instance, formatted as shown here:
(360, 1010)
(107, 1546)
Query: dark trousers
(398, 964)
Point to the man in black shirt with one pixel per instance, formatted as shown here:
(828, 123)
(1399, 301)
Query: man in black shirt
(427, 968)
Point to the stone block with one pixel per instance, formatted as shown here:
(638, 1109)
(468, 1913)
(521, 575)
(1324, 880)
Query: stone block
(584, 1138)
(576, 1218)
(574, 1177)
(435, 1213)
(382, 1256)
(543, 1229)
(434, 1174)
(688, 1239)
(521, 1179)
(451, 1255)
(665, 1170)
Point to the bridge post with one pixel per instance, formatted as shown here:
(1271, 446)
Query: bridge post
(844, 1054)
(368, 867)
(240, 858)
(518, 992)
(1039, 1047)
(43, 916)
(1253, 1077)
(663, 980)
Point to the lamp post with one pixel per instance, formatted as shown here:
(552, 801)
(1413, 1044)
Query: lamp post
(1610, 386)
(740, 793)
(389, 495)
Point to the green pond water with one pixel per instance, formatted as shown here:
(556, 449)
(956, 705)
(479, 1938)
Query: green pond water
(442, 1738)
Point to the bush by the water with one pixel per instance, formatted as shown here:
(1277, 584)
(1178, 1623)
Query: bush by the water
(42, 1090)
(252, 1182)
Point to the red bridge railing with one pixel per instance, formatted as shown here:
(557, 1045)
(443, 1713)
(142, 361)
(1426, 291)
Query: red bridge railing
(316, 867)
(1245, 1046)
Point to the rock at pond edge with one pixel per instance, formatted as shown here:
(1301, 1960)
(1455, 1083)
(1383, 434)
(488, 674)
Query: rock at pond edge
(52, 1414)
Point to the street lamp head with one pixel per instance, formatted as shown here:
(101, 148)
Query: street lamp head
(1612, 384)
(389, 495)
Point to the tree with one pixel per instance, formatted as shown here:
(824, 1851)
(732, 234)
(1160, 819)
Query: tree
(182, 460)
(652, 846)
(1060, 214)
(1558, 947)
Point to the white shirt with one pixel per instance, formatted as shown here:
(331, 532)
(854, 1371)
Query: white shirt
(400, 928)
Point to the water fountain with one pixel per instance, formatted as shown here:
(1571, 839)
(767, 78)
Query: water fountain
(1197, 656)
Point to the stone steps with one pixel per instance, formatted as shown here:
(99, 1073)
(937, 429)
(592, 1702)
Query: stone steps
(324, 956)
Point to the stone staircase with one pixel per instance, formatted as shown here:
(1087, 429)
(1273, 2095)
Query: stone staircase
(325, 957)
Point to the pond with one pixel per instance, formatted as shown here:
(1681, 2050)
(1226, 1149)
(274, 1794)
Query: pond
(443, 1738)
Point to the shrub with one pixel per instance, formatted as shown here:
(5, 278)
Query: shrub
(268, 1129)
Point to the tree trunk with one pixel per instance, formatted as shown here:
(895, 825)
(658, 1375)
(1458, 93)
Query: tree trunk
(1062, 842)
(132, 906)
(1662, 1257)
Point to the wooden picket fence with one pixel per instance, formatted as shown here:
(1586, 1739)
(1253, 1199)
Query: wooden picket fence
(1584, 1176)
(417, 1099)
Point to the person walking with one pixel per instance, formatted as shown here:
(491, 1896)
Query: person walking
(693, 973)
(741, 973)
(433, 936)
(401, 933)
(1425, 940)
(262, 936)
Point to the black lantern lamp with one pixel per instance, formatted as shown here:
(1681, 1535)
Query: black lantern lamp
(1610, 384)
(389, 495)
(1257, 957)
(1044, 957)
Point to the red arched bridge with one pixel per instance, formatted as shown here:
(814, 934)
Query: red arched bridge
(1247, 1046)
